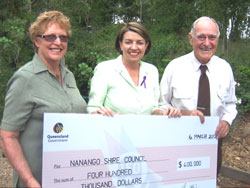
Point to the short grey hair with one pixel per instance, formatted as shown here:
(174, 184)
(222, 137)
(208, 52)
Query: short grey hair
(201, 19)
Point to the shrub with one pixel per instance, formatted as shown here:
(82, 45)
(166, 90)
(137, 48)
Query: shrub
(238, 56)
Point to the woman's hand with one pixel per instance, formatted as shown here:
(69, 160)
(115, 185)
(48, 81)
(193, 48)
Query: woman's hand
(106, 111)
(173, 112)
(32, 183)
(170, 112)
(13, 151)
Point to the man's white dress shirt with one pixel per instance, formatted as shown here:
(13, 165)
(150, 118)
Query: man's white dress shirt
(180, 82)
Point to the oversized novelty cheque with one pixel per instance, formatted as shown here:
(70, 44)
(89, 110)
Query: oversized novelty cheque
(141, 151)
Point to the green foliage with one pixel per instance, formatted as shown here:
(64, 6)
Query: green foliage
(84, 71)
(174, 16)
(238, 56)
(85, 74)
(86, 49)
(12, 41)
(94, 34)
(128, 10)
(15, 48)
(165, 48)
(5, 73)
(243, 91)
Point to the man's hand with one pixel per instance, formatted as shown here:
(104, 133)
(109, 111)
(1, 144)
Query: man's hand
(222, 129)
(194, 113)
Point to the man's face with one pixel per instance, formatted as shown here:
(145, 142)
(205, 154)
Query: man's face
(204, 40)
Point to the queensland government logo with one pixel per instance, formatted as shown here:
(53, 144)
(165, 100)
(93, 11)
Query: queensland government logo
(58, 128)
(58, 136)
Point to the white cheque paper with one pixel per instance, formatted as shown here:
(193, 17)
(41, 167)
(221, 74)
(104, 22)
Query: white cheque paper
(94, 151)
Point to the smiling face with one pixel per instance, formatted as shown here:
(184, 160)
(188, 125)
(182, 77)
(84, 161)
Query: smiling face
(51, 52)
(133, 47)
(204, 40)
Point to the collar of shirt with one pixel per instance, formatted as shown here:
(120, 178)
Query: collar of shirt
(121, 69)
(41, 67)
(197, 64)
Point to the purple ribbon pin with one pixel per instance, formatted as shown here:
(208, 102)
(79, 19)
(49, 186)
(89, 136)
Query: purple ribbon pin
(144, 81)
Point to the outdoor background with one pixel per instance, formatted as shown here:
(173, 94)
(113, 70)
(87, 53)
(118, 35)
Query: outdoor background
(95, 24)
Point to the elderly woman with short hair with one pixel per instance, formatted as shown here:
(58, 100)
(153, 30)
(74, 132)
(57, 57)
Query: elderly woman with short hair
(42, 85)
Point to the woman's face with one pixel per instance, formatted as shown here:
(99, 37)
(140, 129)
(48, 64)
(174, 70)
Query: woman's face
(133, 47)
(52, 51)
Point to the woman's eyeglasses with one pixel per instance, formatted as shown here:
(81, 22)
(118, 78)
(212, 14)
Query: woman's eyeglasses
(52, 38)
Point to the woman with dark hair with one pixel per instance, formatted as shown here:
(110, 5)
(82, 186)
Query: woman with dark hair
(127, 85)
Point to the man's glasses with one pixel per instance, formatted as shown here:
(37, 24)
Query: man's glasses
(203, 37)
(52, 38)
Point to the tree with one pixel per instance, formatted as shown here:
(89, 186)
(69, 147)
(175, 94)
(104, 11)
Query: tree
(173, 16)
(238, 18)
(94, 25)
(127, 10)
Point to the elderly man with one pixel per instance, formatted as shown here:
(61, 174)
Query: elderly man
(200, 83)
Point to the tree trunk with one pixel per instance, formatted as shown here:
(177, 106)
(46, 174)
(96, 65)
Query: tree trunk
(224, 34)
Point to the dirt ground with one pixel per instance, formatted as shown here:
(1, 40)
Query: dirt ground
(236, 151)
(236, 154)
